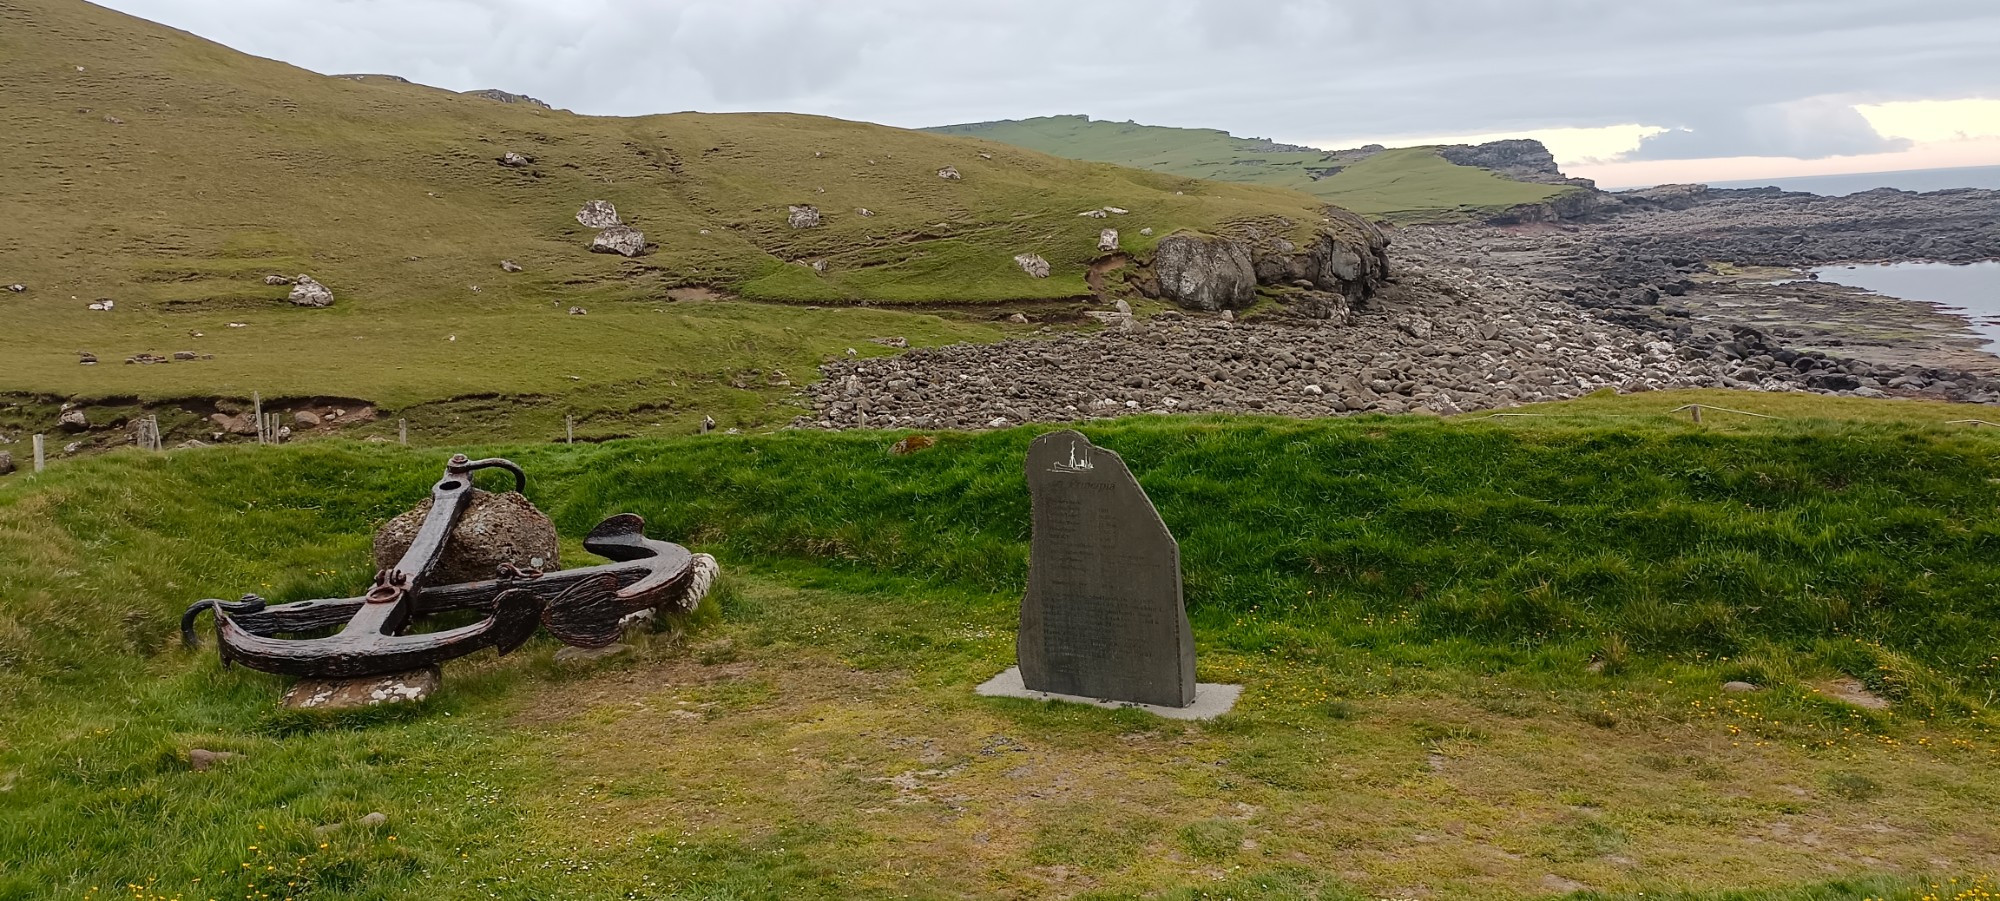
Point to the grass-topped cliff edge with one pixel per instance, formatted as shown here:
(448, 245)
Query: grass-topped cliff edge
(1483, 658)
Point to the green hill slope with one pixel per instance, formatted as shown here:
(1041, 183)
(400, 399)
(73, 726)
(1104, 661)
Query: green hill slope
(1406, 184)
(170, 175)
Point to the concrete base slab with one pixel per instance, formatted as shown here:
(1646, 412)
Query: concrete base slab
(1210, 699)
(351, 694)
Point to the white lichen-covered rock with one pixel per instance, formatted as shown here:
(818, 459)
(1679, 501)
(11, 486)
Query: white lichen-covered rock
(619, 239)
(1032, 264)
(1204, 273)
(1107, 241)
(1093, 214)
(73, 420)
(309, 293)
(516, 160)
(863, 212)
(949, 173)
(805, 217)
(598, 214)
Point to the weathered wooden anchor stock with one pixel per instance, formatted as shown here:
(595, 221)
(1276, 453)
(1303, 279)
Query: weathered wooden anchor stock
(583, 607)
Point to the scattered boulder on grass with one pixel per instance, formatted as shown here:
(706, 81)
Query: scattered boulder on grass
(514, 160)
(949, 173)
(509, 266)
(6, 462)
(578, 311)
(1032, 264)
(306, 418)
(73, 419)
(805, 217)
(863, 212)
(309, 293)
(598, 214)
(86, 358)
(1740, 688)
(104, 306)
(1093, 214)
(619, 239)
(17, 288)
(1018, 318)
(1107, 241)
(202, 760)
(898, 341)
(275, 280)
(911, 444)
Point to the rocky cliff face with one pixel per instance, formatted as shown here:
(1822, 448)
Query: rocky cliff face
(1521, 159)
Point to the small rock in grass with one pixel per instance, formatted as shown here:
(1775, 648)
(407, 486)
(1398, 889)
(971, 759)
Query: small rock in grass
(619, 239)
(587, 655)
(892, 342)
(949, 173)
(598, 214)
(1018, 319)
(804, 216)
(509, 266)
(275, 280)
(309, 293)
(1740, 688)
(86, 358)
(306, 418)
(17, 288)
(911, 445)
(514, 160)
(577, 311)
(1032, 264)
(202, 759)
(378, 818)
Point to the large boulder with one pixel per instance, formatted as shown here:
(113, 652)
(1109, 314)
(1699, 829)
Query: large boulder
(6, 462)
(1204, 273)
(494, 529)
(806, 216)
(619, 239)
(308, 293)
(598, 214)
(1348, 256)
(73, 420)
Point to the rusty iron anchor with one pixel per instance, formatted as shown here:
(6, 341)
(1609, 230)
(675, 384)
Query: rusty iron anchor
(584, 607)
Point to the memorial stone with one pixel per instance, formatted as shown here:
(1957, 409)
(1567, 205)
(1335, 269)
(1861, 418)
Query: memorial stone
(1103, 617)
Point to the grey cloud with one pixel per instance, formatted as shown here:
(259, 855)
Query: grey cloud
(1813, 128)
(1292, 69)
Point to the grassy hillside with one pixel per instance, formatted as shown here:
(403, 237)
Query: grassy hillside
(1410, 184)
(170, 175)
(1418, 641)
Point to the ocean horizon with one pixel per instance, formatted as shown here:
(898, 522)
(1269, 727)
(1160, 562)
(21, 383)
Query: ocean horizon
(1921, 180)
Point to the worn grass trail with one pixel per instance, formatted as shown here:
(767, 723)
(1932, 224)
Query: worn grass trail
(1484, 660)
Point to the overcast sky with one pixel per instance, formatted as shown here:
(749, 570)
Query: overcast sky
(1723, 78)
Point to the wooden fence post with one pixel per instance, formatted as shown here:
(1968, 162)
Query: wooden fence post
(569, 428)
(402, 431)
(257, 404)
(41, 457)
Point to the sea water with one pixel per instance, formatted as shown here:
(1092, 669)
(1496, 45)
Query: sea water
(1972, 291)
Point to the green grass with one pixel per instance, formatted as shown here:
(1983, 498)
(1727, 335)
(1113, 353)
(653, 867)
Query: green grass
(1411, 184)
(1414, 605)
(227, 168)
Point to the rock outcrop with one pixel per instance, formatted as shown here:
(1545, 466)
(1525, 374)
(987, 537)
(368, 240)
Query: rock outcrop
(1521, 159)
(619, 239)
(309, 293)
(500, 96)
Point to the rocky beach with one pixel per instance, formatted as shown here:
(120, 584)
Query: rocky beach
(1672, 287)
